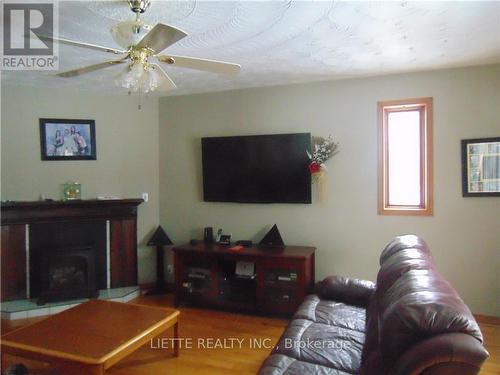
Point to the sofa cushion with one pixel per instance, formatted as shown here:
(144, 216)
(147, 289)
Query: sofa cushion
(371, 360)
(413, 302)
(399, 243)
(398, 264)
(323, 344)
(418, 305)
(346, 289)
(331, 312)
(279, 364)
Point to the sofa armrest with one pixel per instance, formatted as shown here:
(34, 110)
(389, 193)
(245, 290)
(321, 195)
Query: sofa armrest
(344, 289)
(449, 353)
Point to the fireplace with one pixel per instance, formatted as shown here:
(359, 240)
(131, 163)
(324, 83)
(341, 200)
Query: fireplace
(68, 273)
(68, 260)
(56, 237)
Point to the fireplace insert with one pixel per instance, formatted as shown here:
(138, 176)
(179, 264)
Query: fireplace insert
(68, 273)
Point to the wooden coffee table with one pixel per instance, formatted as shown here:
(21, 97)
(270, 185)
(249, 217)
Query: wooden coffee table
(91, 337)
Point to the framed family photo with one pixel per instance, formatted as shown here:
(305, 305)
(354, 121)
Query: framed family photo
(62, 139)
(481, 167)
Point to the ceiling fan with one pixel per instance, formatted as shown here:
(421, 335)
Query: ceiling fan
(141, 46)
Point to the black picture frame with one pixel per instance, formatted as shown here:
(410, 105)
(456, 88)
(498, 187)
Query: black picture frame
(478, 178)
(79, 146)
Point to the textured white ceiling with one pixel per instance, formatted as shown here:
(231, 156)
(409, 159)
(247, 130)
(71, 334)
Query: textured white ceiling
(280, 42)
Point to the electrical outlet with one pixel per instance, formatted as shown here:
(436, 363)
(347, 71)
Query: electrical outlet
(170, 269)
(145, 197)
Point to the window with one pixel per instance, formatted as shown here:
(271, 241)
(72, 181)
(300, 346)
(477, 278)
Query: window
(405, 157)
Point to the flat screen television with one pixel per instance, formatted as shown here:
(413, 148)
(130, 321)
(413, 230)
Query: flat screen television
(257, 168)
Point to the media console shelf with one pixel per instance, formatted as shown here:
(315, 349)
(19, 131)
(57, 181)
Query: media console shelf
(211, 275)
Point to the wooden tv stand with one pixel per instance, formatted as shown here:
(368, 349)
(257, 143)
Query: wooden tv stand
(206, 274)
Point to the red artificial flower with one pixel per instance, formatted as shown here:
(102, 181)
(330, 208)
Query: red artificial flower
(314, 167)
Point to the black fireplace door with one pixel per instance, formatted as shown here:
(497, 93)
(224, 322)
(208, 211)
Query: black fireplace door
(67, 274)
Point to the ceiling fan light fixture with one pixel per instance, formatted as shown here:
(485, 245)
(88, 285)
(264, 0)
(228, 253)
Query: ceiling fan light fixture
(139, 77)
(129, 33)
(149, 81)
(139, 6)
(125, 80)
(137, 70)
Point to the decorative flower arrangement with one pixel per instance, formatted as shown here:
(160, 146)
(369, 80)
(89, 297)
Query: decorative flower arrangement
(323, 149)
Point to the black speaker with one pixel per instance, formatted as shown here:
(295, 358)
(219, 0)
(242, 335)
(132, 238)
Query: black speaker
(208, 235)
(244, 243)
(272, 238)
(194, 242)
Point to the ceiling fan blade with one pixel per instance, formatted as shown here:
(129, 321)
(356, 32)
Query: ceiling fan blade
(201, 64)
(90, 68)
(160, 37)
(82, 44)
(167, 83)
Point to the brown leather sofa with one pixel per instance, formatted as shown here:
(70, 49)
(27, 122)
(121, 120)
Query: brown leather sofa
(411, 322)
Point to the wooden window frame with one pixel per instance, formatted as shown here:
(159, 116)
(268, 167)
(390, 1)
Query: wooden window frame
(424, 105)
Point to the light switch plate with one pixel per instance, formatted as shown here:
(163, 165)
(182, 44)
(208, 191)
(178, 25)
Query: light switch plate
(145, 197)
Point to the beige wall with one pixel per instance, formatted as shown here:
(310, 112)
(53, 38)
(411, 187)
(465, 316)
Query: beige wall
(463, 234)
(127, 152)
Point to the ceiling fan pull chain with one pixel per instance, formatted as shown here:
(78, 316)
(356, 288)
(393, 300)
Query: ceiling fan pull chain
(137, 28)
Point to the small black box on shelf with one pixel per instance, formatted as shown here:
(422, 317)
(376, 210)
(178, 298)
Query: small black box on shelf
(244, 243)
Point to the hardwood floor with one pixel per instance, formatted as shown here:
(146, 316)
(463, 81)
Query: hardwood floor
(202, 324)
(491, 333)
(196, 324)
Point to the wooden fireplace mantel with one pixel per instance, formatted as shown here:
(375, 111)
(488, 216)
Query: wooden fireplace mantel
(18, 218)
(26, 212)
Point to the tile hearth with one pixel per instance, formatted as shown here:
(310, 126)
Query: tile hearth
(28, 308)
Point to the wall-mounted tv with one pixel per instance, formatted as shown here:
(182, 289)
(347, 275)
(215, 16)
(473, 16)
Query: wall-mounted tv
(257, 168)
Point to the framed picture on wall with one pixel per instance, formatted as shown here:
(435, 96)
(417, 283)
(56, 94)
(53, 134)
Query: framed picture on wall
(62, 139)
(481, 167)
